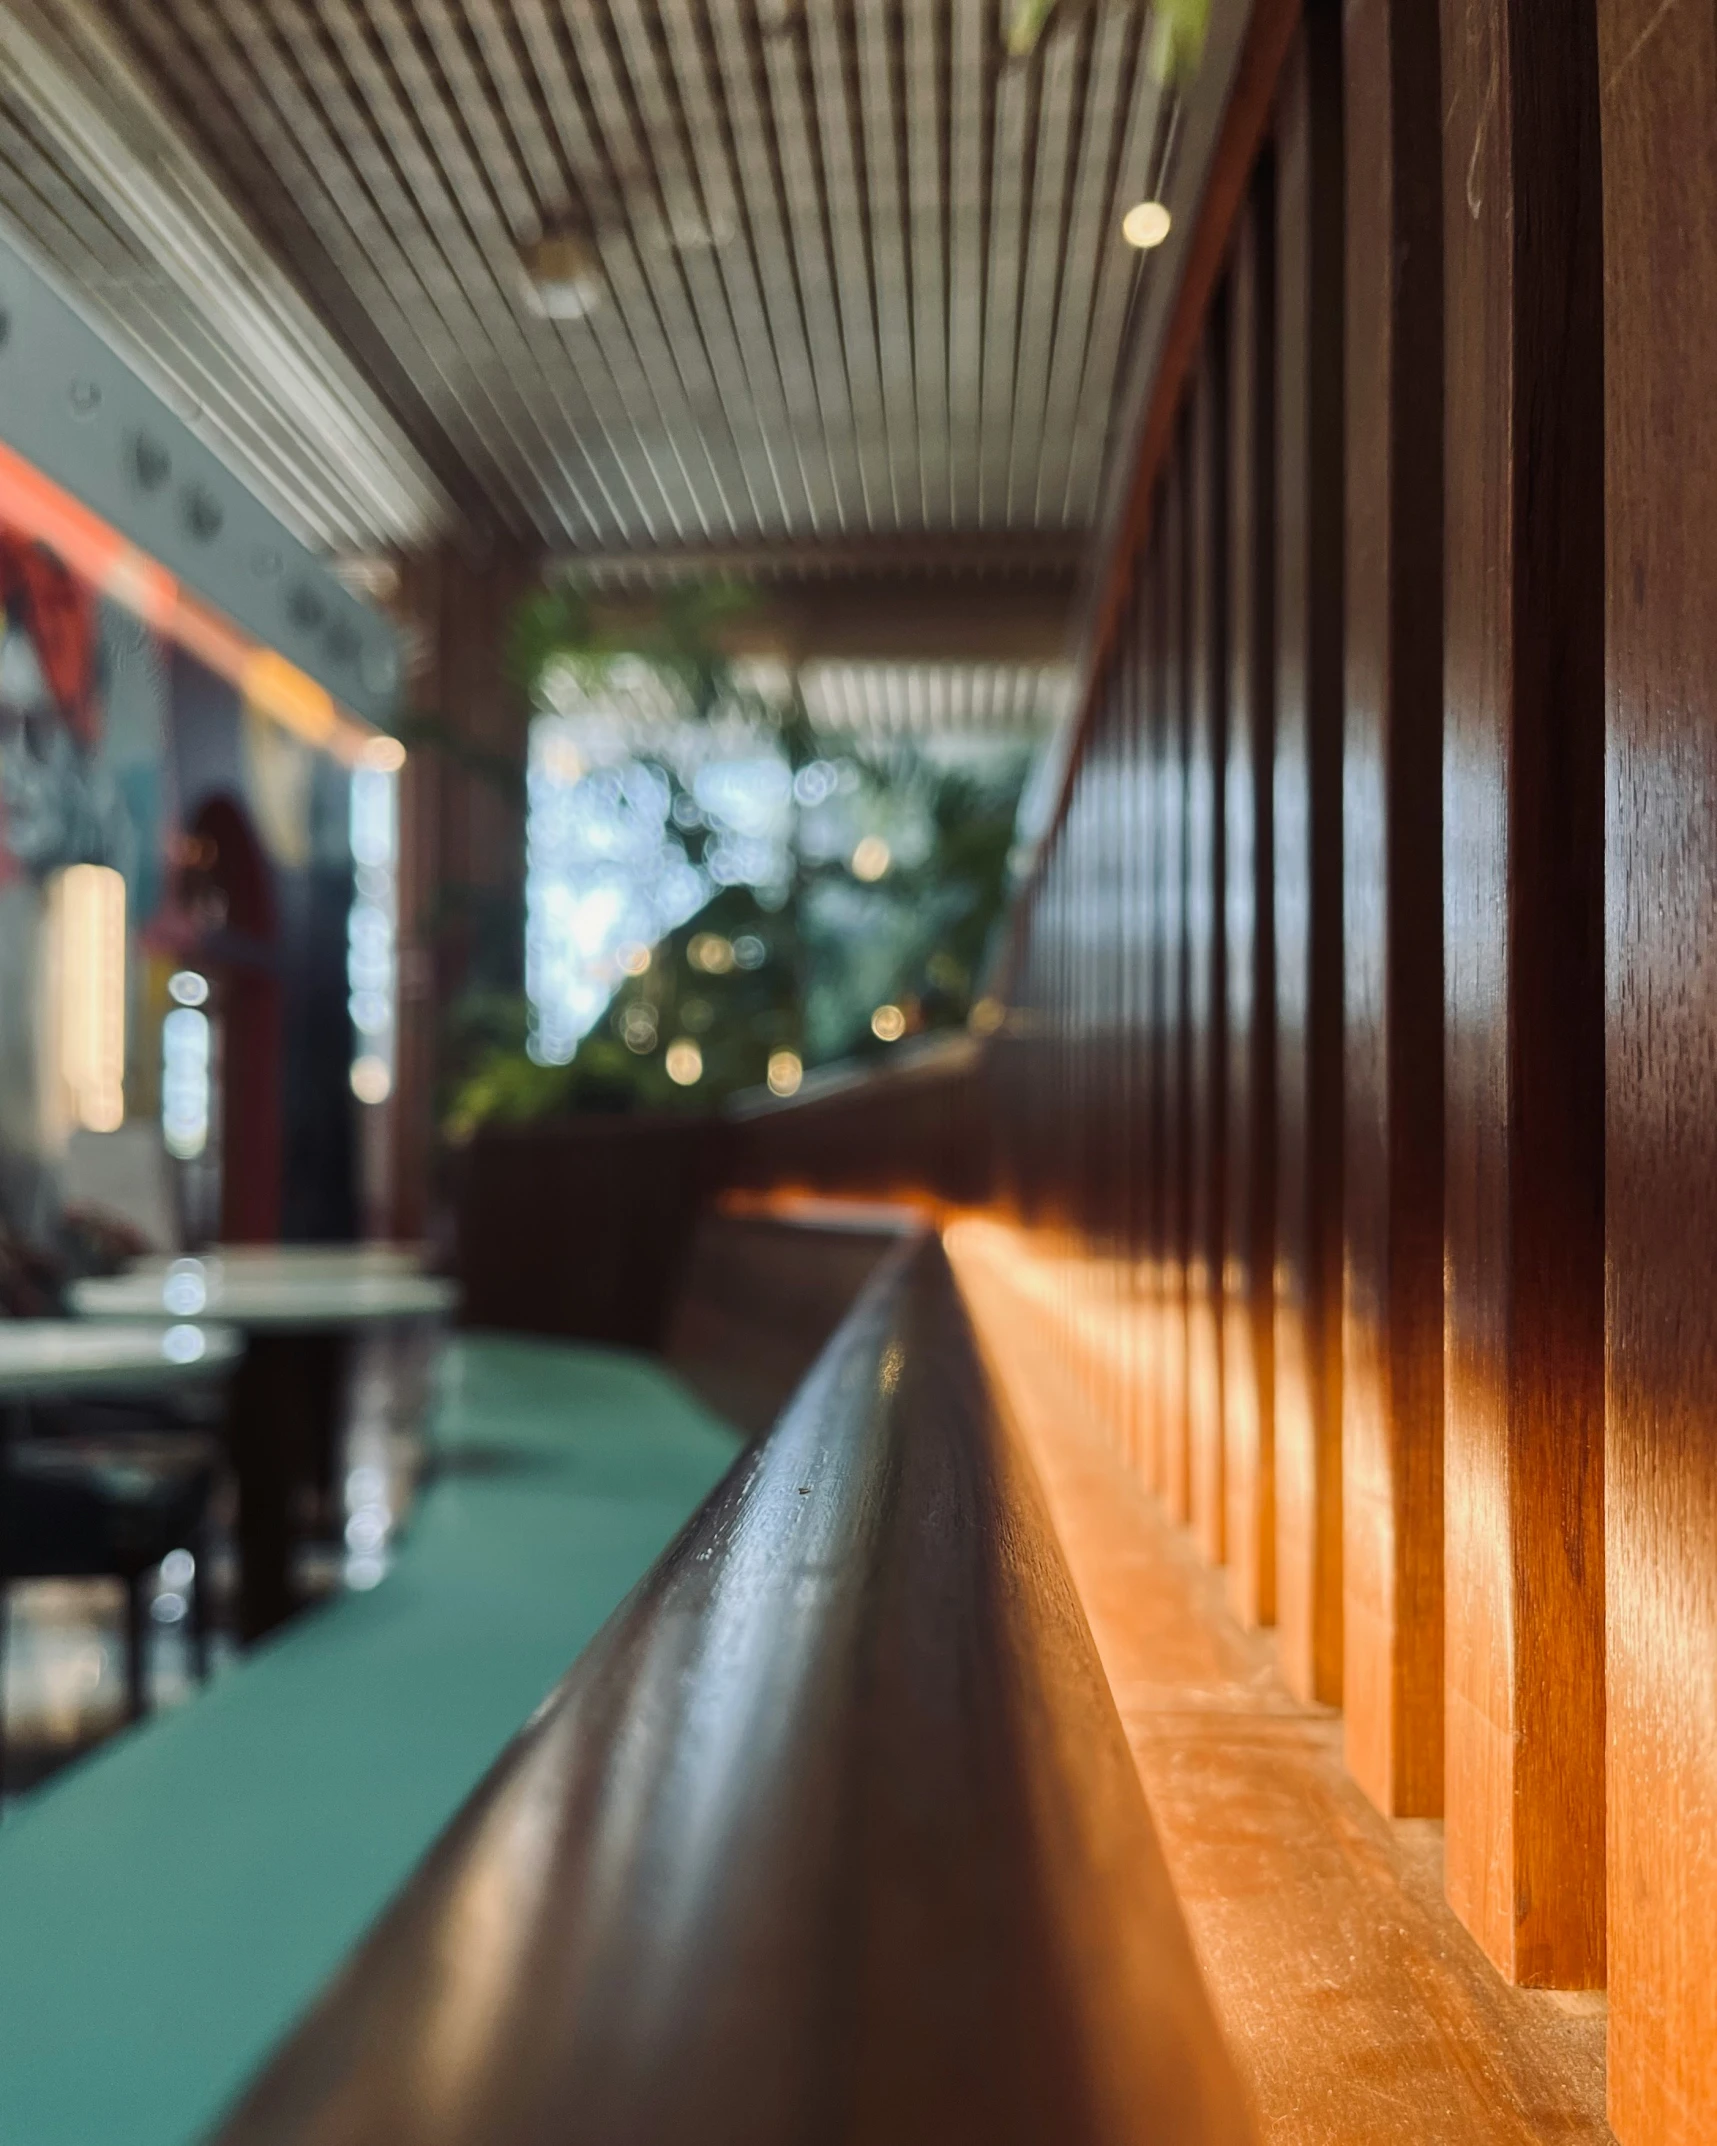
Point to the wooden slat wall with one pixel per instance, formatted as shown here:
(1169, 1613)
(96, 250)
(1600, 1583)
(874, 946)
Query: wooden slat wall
(1326, 914)
(1659, 74)
(1392, 1383)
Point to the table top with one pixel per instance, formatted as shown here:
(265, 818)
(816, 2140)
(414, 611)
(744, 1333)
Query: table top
(266, 1296)
(294, 1259)
(43, 1358)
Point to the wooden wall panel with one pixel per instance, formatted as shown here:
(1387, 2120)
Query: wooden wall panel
(1659, 72)
(1206, 948)
(1307, 806)
(1523, 859)
(1392, 1371)
(1155, 1174)
(1248, 1385)
(1176, 1484)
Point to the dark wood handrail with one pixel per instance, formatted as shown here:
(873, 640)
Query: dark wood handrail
(832, 1835)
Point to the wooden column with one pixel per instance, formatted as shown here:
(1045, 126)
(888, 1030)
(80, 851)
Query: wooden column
(1206, 877)
(1176, 1483)
(1308, 858)
(462, 854)
(1392, 1372)
(1659, 72)
(1248, 1384)
(1523, 892)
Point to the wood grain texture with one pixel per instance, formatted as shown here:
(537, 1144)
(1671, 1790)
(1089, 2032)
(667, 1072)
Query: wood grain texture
(1206, 943)
(1359, 2011)
(1659, 76)
(1307, 804)
(1153, 1250)
(1392, 832)
(1523, 865)
(833, 1834)
(1176, 1470)
(1248, 1262)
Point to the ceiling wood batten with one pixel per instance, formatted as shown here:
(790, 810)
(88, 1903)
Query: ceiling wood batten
(104, 193)
(861, 278)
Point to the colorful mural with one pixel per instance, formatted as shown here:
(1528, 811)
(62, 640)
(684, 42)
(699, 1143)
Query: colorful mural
(119, 747)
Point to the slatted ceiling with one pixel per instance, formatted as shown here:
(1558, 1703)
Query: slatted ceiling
(1090, 236)
(297, 139)
(879, 701)
(99, 187)
(863, 278)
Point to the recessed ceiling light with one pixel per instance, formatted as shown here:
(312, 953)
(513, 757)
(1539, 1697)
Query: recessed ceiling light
(563, 275)
(1146, 225)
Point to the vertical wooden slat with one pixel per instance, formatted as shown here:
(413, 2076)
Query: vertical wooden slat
(1308, 858)
(1659, 74)
(1155, 1175)
(1248, 1385)
(1392, 1372)
(1135, 1024)
(1523, 887)
(1176, 1484)
(1206, 950)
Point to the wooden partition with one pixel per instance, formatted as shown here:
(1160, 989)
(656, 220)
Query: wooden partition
(1658, 69)
(1392, 864)
(1313, 1153)
(1523, 908)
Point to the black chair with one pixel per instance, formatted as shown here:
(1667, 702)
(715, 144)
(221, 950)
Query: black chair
(81, 1505)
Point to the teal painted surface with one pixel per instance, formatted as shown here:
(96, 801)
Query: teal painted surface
(168, 1908)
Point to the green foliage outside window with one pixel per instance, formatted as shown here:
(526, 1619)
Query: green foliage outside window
(794, 973)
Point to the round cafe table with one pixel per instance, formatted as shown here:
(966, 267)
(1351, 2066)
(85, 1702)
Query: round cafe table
(297, 1307)
(55, 1359)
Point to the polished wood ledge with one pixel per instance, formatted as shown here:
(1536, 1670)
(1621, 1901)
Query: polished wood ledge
(1359, 2010)
(832, 1836)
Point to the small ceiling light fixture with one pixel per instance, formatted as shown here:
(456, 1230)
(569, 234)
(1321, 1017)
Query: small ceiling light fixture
(563, 275)
(872, 858)
(888, 1024)
(1146, 225)
(786, 1072)
(684, 1062)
